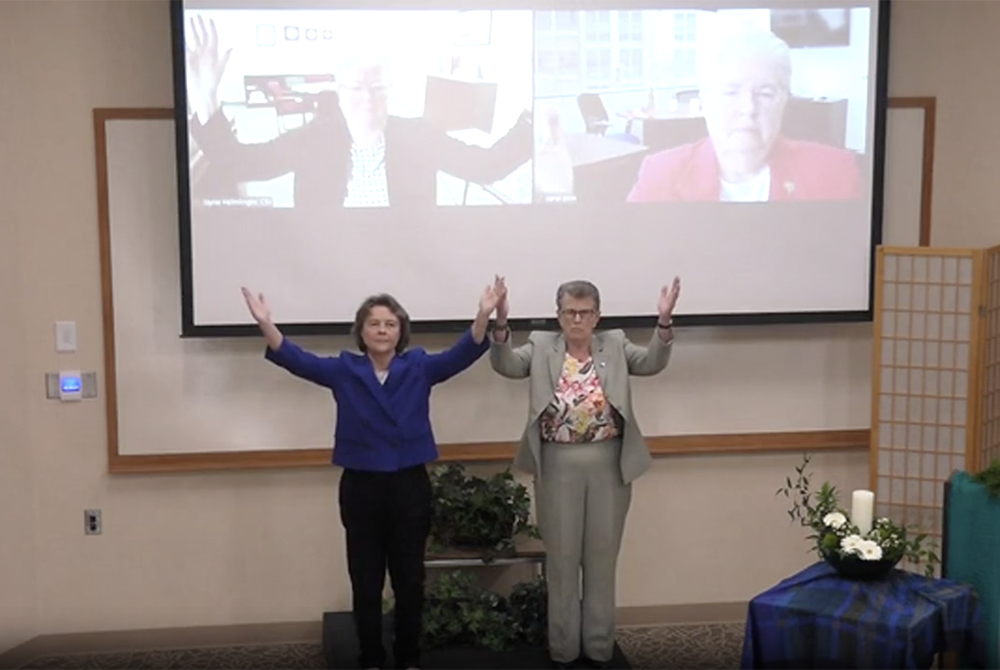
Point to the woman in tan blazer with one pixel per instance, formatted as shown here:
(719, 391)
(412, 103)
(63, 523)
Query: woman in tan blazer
(584, 447)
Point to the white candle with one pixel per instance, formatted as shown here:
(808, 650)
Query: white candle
(862, 510)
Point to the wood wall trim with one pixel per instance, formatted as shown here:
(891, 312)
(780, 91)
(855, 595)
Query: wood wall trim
(492, 452)
(660, 446)
(101, 118)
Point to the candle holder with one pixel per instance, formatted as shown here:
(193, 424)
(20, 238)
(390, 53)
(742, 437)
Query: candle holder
(871, 551)
(856, 568)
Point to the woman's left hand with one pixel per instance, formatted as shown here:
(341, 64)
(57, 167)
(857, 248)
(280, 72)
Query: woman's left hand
(668, 300)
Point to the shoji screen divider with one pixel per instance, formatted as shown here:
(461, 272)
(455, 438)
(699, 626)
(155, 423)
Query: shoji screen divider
(990, 442)
(935, 386)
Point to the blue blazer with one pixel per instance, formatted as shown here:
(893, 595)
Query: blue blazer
(381, 427)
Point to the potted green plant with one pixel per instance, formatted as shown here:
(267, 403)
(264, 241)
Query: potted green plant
(483, 514)
(840, 542)
(973, 536)
(460, 613)
(989, 477)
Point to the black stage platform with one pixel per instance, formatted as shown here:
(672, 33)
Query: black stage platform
(340, 649)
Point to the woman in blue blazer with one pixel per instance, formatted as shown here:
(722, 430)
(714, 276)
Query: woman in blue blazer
(383, 441)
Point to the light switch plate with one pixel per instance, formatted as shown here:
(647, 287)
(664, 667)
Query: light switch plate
(66, 336)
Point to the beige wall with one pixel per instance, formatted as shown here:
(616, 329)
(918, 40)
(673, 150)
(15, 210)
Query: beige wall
(265, 547)
(17, 533)
(944, 49)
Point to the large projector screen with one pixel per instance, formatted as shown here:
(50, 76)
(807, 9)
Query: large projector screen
(330, 151)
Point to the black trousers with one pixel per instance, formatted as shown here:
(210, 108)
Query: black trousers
(387, 517)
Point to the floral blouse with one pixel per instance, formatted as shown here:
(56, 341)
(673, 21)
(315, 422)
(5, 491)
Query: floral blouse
(580, 412)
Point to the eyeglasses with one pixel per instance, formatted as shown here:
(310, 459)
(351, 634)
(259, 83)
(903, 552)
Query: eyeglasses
(361, 89)
(574, 314)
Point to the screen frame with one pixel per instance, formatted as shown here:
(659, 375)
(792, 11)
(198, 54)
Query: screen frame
(189, 329)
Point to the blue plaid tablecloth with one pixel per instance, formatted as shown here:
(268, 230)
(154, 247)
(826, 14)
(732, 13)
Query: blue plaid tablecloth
(817, 619)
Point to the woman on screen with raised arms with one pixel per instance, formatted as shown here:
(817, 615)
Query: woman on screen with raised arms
(352, 152)
(383, 441)
(584, 447)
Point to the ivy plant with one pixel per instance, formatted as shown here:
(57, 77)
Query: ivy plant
(484, 514)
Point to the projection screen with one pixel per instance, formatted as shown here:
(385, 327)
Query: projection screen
(327, 152)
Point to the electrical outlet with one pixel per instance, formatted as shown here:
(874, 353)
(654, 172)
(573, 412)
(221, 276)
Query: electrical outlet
(92, 522)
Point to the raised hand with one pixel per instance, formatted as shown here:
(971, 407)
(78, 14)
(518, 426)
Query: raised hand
(503, 307)
(668, 300)
(257, 306)
(488, 301)
(205, 66)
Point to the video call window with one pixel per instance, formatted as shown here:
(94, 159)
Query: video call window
(341, 108)
(320, 110)
(741, 105)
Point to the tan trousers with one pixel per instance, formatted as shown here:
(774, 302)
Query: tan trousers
(582, 505)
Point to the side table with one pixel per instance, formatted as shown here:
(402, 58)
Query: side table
(817, 619)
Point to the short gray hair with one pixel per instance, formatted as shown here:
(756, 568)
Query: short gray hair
(363, 58)
(580, 289)
(747, 44)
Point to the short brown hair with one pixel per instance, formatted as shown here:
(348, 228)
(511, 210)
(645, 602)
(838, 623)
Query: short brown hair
(390, 303)
(579, 289)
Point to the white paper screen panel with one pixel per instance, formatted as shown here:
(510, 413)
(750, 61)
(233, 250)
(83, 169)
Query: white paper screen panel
(926, 339)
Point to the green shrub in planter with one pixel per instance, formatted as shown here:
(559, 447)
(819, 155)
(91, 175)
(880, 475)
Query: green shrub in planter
(483, 515)
(529, 609)
(990, 478)
(476, 513)
(460, 613)
(973, 550)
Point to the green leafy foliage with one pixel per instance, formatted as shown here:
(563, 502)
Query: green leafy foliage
(529, 608)
(990, 478)
(833, 533)
(459, 613)
(482, 514)
(486, 516)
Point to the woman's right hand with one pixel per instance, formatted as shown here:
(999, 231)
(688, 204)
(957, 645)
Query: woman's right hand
(205, 67)
(262, 315)
(257, 306)
(503, 307)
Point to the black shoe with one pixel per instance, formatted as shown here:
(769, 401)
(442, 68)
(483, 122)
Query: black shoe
(599, 665)
(562, 665)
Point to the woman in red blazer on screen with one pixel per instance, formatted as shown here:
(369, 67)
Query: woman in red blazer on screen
(744, 158)
(383, 441)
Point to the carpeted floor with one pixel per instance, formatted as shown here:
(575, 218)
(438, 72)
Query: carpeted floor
(689, 647)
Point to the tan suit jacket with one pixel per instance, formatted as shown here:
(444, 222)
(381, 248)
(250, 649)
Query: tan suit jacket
(615, 357)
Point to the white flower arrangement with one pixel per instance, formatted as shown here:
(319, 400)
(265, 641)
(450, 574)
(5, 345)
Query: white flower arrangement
(884, 540)
(838, 538)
